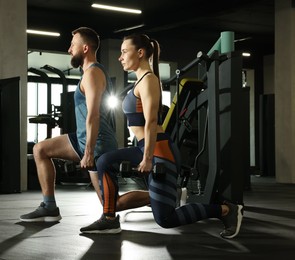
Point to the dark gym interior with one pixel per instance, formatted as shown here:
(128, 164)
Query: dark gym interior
(223, 116)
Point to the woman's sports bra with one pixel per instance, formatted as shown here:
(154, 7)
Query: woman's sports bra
(132, 107)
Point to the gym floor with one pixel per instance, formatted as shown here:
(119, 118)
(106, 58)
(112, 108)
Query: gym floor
(268, 229)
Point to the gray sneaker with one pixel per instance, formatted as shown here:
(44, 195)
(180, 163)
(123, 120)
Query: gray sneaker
(41, 214)
(103, 226)
(232, 221)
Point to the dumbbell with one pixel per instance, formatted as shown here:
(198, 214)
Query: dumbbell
(158, 172)
(127, 171)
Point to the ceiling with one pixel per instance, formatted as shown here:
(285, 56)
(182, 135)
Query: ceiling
(191, 20)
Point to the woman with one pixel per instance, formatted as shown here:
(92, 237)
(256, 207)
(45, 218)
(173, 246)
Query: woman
(142, 107)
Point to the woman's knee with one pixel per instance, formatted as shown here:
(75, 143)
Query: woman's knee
(103, 162)
(107, 162)
(163, 222)
(163, 219)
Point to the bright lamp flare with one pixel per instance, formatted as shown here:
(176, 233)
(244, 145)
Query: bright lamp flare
(113, 101)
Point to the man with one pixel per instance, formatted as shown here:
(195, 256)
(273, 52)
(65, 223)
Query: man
(95, 133)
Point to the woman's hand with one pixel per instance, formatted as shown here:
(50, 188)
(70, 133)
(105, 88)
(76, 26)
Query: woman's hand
(145, 166)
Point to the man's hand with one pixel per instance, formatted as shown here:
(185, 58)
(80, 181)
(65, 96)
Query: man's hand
(87, 161)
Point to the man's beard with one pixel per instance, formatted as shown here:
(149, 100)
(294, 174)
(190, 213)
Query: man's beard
(77, 61)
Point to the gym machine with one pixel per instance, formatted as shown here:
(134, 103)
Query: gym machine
(63, 115)
(205, 119)
(47, 118)
(195, 100)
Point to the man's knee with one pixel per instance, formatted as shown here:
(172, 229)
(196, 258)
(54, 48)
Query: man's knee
(38, 150)
(120, 205)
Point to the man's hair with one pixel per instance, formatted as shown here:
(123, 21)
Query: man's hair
(89, 36)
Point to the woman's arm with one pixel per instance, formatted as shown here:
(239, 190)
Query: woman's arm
(150, 94)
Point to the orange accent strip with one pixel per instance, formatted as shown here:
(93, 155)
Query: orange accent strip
(162, 150)
(139, 108)
(109, 194)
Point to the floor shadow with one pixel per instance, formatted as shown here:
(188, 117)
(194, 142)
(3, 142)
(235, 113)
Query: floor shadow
(132, 244)
(272, 212)
(30, 229)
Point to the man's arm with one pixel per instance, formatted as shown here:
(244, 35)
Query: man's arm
(93, 85)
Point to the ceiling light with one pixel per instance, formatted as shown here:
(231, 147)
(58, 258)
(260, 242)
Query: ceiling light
(116, 8)
(243, 39)
(246, 54)
(54, 34)
(129, 28)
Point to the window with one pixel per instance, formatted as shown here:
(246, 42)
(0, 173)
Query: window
(37, 105)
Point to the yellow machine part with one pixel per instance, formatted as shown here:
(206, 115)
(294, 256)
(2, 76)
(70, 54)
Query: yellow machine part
(182, 85)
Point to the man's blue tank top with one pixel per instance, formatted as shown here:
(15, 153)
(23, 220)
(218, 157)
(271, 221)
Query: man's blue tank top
(106, 139)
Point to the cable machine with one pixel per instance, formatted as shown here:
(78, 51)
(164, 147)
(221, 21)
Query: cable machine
(205, 121)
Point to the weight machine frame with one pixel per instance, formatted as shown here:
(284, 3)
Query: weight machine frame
(220, 95)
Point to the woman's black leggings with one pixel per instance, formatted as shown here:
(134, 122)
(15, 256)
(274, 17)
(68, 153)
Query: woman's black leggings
(162, 192)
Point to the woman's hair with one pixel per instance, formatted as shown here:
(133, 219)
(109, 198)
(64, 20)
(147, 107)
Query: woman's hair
(151, 46)
(89, 36)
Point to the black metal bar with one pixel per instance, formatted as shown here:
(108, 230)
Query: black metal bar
(45, 78)
(60, 74)
(64, 96)
(213, 132)
(53, 80)
(177, 74)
